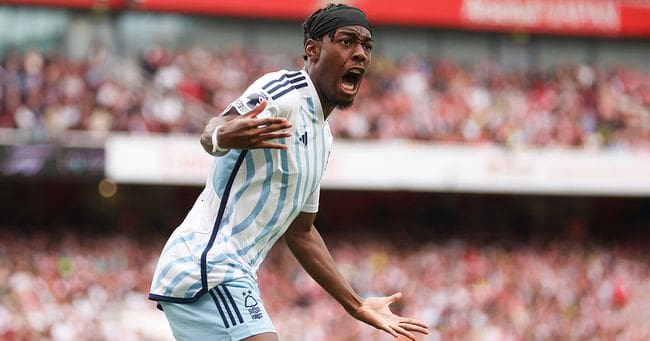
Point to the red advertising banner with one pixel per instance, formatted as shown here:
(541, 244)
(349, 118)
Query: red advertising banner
(576, 17)
(625, 18)
(593, 17)
(579, 17)
(112, 4)
(272, 9)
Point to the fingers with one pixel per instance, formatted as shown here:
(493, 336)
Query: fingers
(414, 322)
(268, 121)
(247, 131)
(389, 330)
(271, 127)
(402, 331)
(273, 136)
(414, 327)
(270, 145)
(405, 328)
(258, 109)
(273, 131)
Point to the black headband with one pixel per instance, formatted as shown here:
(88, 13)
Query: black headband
(337, 17)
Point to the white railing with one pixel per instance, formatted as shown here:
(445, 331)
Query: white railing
(407, 165)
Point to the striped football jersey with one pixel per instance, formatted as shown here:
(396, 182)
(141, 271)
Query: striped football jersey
(250, 196)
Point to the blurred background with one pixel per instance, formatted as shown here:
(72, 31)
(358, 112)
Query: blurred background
(495, 167)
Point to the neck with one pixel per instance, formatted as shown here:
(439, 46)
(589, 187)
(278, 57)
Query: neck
(327, 108)
(326, 105)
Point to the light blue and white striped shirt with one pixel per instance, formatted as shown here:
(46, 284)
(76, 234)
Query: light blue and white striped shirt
(250, 197)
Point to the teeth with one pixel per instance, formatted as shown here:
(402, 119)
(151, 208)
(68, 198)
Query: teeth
(355, 71)
(348, 87)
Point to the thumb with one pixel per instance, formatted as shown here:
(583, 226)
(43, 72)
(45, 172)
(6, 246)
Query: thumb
(395, 297)
(257, 110)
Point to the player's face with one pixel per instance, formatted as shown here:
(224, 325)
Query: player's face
(341, 64)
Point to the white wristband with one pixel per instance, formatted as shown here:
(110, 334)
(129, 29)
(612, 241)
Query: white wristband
(215, 142)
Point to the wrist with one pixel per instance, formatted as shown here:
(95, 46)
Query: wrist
(353, 306)
(215, 142)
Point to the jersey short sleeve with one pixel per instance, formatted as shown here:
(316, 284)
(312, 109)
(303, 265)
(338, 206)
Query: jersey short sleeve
(251, 98)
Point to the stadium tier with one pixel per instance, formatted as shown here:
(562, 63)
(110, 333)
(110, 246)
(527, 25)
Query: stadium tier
(471, 266)
(497, 130)
(417, 98)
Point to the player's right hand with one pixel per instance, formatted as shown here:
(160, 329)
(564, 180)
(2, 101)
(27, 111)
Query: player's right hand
(247, 131)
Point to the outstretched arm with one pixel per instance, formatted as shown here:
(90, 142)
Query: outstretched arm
(308, 247)
(245, 131)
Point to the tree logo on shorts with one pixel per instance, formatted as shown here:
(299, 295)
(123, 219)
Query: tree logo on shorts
(251, 304)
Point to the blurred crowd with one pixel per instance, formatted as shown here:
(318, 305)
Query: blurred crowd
(415, 97)
(72, 285)
(560, 291)
(67, 286)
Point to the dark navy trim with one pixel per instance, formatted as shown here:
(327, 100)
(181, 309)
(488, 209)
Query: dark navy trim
(283, 92)
(217, 222)
(288, 74)
(287, 82)
(155, 297)
(225, 304)
(216, 302)
(215, 229)
(232, 301)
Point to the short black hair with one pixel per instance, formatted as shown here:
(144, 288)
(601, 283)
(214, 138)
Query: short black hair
(309, 22)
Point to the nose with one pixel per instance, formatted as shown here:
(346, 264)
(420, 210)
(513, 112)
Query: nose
(360, 54)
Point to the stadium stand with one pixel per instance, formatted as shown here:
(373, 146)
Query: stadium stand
(531, 269)
(416, 97)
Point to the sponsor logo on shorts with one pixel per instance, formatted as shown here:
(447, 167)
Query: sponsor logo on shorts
(251, 304)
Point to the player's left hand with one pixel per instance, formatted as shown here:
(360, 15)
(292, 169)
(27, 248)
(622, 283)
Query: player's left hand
(375, 312)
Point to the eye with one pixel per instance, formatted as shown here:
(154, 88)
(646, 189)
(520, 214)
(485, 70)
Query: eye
(346, 42)
(367, 47)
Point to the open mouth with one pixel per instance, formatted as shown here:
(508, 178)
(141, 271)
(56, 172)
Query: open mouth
(351, 79)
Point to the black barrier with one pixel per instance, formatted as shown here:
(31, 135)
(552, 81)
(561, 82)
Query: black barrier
(46, 160)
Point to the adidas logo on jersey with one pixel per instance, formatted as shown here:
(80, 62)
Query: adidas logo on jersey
(303, 139)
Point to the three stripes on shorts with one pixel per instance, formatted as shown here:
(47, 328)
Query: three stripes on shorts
(226, 306)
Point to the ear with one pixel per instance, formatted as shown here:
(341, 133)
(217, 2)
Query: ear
(312, 49)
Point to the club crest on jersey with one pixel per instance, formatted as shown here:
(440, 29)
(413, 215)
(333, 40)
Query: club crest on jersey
(251, 304)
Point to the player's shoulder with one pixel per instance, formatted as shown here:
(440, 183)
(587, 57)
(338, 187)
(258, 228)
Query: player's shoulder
(280, 85)
(281, 89)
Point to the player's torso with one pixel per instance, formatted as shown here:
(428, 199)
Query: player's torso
(308, 147)
(270, 186)
(249, 201)
(287, 177)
